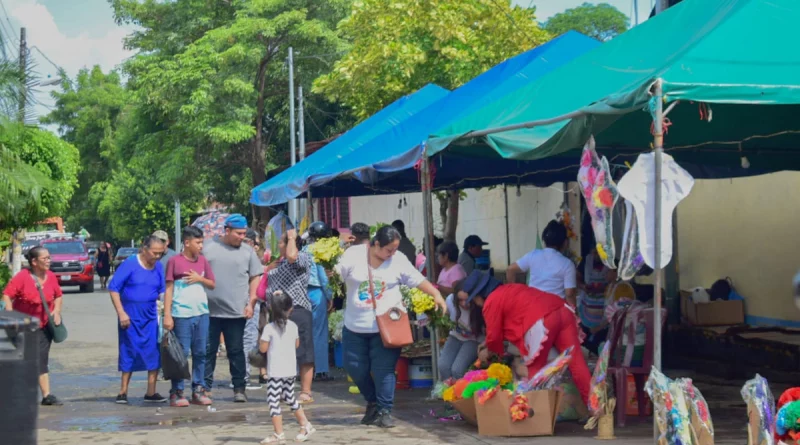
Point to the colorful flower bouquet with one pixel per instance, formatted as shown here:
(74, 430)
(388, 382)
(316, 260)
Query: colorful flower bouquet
(601, 406)
(326, 252)
(680, 410)
(421, 303)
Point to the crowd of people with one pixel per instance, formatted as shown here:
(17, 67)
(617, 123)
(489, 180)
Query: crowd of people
(222, 296)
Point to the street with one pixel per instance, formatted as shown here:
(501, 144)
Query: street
(83, 375)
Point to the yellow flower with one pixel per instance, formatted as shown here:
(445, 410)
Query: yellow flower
(327, 251)
(449, 394)
(500, 372)
(420, 301)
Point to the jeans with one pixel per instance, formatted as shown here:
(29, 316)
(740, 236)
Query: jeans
(319, 312)
(371, 366)
(250, 338)
(456, 357)
(233, 329)
(192, 334)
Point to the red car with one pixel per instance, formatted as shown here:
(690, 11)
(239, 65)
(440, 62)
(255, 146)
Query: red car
(71, 263)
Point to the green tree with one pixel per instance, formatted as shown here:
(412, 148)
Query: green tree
(400, 46)
(86, 113)
(601, 21)
(210, 85)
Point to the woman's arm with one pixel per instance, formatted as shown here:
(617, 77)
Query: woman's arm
(263, 346)
(291, 246)
(7, 301)
(512, 272)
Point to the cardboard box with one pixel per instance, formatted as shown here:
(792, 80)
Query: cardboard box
(714, 313)
(494, 418)
(466, 407)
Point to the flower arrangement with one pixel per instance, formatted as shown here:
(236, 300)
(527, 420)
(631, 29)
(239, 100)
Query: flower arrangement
(335, 325)
(326, 252)
(500, 372)
(421, 303)
(599, 403)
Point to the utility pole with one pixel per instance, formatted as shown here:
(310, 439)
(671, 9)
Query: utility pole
(23, 60)
(661, 6)
(292, 143)
(635, 12)
(309, 208)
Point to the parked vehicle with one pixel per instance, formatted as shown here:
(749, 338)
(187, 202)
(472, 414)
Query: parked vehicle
(27, 245)
(71, 263)
(122, 254)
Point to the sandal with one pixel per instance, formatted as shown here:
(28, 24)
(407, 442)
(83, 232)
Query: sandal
(275, 438)
(323, 377)
(304, 398)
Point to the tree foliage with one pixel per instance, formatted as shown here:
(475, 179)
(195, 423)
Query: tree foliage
(402, 45)
(601, 21)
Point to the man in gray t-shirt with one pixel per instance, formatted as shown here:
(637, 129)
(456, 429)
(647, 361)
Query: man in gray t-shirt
(236, 269)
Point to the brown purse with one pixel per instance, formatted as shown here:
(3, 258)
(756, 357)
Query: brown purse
(394, 325)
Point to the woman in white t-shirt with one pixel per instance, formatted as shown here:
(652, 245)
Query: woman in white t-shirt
(366, 360)
(461, 348)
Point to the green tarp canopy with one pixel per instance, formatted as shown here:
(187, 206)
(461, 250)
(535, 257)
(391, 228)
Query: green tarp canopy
(732, 66)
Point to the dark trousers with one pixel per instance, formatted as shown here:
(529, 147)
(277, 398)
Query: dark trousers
(593, 341)
(371, 366)
(233, 330)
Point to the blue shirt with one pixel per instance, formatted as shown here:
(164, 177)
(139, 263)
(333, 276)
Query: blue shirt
(135, 284)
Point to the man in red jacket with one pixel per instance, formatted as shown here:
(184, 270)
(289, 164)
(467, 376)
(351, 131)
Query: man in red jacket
(532, 320)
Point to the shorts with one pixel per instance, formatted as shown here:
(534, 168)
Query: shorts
(305, 328)
(45, 340)
(280, 390)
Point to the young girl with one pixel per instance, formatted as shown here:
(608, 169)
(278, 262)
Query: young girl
(279, 341)
(461, 348)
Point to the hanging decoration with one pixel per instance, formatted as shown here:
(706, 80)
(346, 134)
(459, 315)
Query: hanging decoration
(681, 411)
(631, 260)
(600, 192)
(638, 186)
(760, 411)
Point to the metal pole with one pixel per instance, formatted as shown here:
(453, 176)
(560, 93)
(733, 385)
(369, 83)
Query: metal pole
(661, 6)
(430, 256)
(658, 143)
(292, 140)
(178, 245)
(635, 12)
(508, 236)
(302, 139)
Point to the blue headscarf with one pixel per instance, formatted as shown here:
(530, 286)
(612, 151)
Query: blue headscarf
(236, 221)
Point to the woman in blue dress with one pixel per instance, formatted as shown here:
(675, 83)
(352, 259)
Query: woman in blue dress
(135, 290)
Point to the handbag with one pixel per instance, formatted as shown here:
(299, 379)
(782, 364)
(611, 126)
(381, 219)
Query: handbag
(58, 333)
(394, 325)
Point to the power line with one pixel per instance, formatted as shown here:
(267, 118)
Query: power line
(5, 12)
(513, 22)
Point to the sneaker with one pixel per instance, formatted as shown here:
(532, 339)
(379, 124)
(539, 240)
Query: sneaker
(275, 438)
(371, 415)
(384, 419)
(201, 398)
(305, 432)
(177, 400)
(262, 379)
(239, 397)
(51, 400)
(155, 398)
(122, 399)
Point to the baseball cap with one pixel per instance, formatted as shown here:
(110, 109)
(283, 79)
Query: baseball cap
(162, 235)
(474, 240)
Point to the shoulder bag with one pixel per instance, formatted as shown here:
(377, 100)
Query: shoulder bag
(394, 325)
(58, 333)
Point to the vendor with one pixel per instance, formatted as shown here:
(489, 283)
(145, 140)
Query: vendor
(550, 271)
(473, 249)
(451, 271)
(593, 277)
(461, 348)
(532, 320)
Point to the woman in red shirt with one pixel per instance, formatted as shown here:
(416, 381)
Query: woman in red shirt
(532, 320)
(22, 295)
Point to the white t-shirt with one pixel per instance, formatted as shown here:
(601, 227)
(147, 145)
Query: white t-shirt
(281, 355)
(550, 271)
(463, 329)
(397, 270)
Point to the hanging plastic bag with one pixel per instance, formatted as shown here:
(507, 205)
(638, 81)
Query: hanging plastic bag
(173, 360)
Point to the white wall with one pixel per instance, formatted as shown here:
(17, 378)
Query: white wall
(481, 213)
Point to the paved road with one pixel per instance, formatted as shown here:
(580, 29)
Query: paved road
(84, 376)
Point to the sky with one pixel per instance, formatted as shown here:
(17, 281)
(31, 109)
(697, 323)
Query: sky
(74, 34)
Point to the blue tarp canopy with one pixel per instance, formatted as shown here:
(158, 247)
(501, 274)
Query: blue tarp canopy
(330, 161)
(380, 159)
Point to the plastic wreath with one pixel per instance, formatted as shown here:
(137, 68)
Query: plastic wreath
(787, 420)
(520, 408)
(448, 394)
(458, 389)
(550, 376)
(500, 372)
(476, 376)
(476, 387)
(696, 404)
(757, 396)
(485, 395)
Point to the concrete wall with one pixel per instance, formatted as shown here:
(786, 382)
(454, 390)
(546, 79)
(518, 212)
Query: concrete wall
(745, 229)
(481, 213)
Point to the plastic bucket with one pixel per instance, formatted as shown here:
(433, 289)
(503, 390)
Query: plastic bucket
(421, 373)
(401, 371)
(19, 378)
(338, 354)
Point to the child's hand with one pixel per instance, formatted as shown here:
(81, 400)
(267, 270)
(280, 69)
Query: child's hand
(193, 277)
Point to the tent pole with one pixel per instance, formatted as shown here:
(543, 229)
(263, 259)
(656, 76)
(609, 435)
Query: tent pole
(508, 236)
(658, 143)
(430, 256)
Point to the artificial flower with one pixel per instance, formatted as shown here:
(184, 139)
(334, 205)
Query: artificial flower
(448, 394)
(500, 372)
